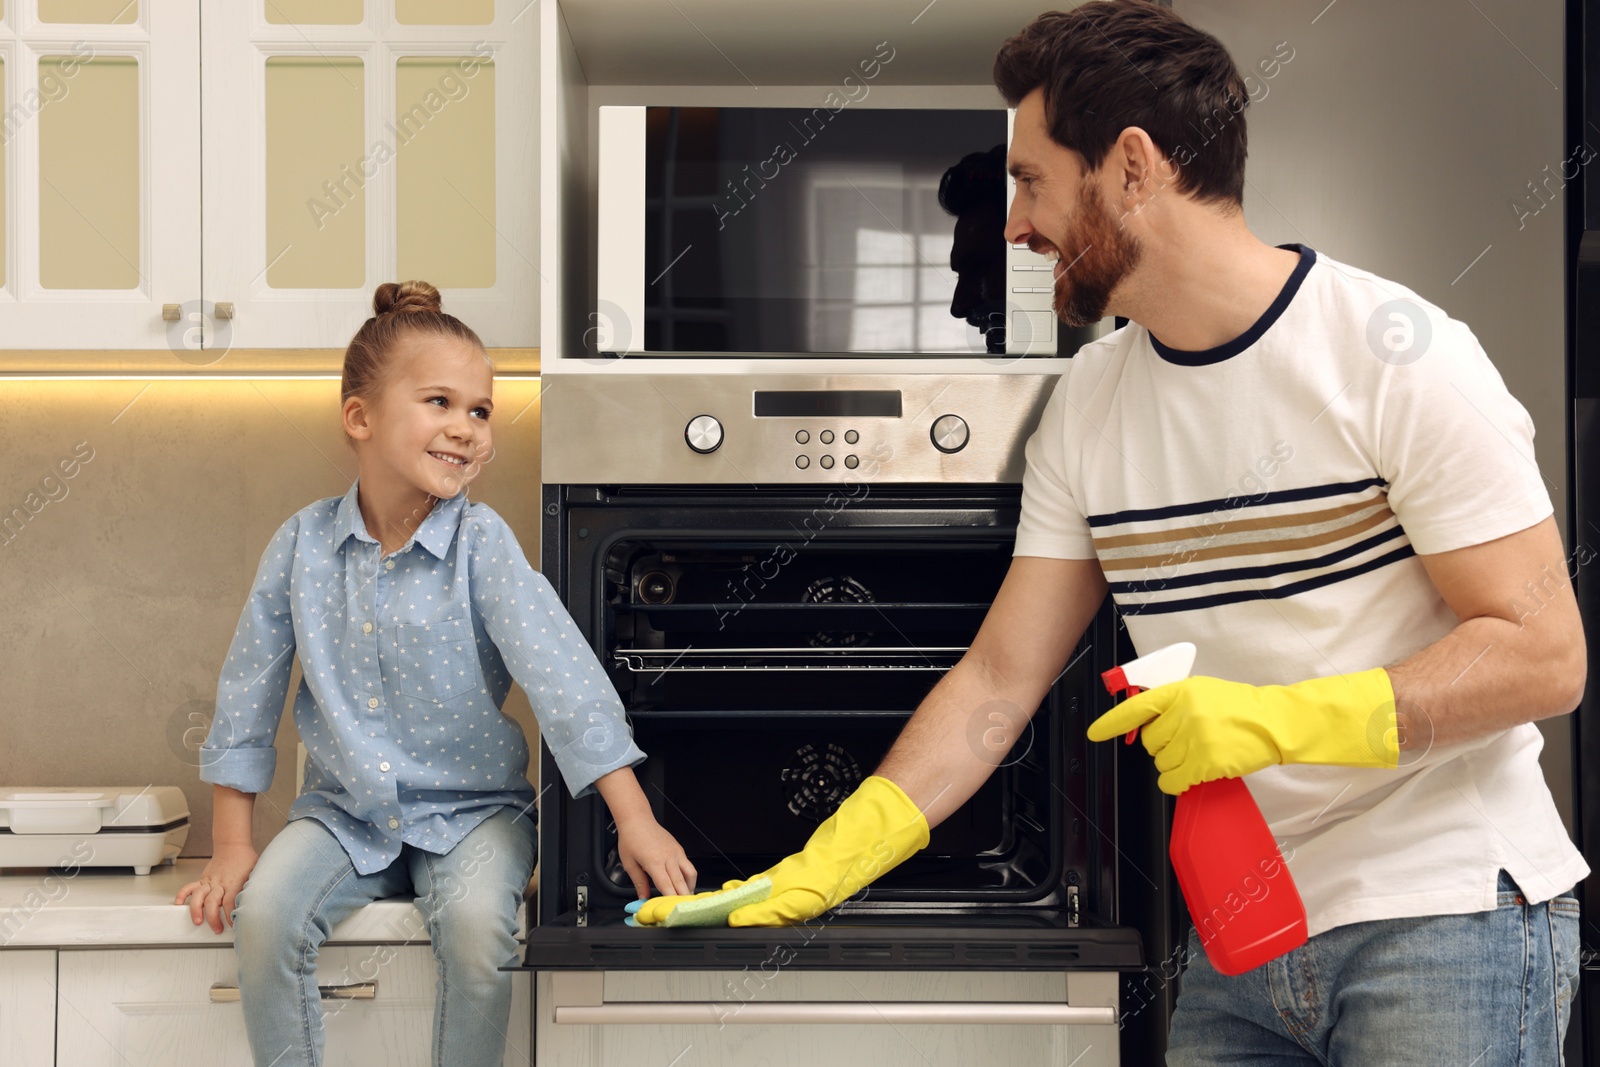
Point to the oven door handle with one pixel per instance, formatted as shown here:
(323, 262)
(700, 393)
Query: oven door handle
(579, 999)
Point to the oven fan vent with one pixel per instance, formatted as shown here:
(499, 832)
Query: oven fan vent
(816, 783)
(842, 589)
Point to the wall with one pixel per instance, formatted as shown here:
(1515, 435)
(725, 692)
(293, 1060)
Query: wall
(1397, 140)
(123, 591)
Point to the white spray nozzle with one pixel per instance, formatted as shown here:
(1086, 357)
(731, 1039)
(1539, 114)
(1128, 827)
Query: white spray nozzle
(1170, 664)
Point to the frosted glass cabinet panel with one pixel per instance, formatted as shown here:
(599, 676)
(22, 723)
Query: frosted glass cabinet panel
(4, 197)
(313, 12)
(449, 12)
(445, 171)
(106, 12)
(389, 151)
(316, 211)
(98, 220)
(89, 174)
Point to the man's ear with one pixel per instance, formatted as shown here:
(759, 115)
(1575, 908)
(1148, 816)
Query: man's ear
(1135, 160)
(355, 415)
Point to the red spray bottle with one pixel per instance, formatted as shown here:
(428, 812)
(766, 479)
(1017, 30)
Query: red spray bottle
(1241, 897)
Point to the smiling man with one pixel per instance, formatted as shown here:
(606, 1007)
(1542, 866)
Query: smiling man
(1320, 479)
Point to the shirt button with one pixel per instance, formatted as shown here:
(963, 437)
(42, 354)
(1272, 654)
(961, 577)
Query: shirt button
(388, 564)
(366, 627)
(394, 824)
(383, 766)
(372, 702)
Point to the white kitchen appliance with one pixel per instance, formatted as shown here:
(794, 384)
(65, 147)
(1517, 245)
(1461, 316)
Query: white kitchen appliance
(93, 826)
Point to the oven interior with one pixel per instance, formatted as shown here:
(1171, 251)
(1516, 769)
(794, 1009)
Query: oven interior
(769, 657)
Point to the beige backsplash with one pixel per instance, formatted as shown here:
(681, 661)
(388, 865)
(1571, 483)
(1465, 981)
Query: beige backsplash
(122, 586)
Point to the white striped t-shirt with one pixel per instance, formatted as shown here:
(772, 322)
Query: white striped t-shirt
(1266, 499)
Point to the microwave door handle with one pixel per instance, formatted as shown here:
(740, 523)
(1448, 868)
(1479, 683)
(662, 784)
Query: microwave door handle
(578, 999)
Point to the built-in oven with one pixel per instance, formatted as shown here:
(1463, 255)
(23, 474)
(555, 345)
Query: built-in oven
(771, 621)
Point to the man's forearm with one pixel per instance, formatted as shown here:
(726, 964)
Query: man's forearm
(1486, 675)
(1517, 656)
(960, 732)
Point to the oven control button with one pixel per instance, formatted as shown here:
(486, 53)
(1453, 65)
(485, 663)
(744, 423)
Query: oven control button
(801, 437)
(851, 462)
(827, 463)
(802, 462)
(704, 434)
(826, 437)
(851, 437)
(949, 433)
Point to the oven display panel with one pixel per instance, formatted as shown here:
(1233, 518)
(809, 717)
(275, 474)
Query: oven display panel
(841, 403)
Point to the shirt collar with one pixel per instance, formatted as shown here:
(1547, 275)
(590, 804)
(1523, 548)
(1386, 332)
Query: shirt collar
(435, 533)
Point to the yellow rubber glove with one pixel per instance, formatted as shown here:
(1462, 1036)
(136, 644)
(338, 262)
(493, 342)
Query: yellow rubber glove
(1205, 728)
(873, 831)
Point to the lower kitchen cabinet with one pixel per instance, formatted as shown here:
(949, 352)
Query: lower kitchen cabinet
(910, 1033)
(158, 1007)
(28, 1007)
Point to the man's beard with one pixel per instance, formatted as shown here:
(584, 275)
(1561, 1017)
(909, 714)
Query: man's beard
(1105, 254)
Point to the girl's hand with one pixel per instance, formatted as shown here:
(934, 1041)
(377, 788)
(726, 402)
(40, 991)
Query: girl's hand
(218, 885)
(647, 849)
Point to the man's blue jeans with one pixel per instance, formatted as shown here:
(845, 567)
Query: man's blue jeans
(1489, 989)
(304, 884)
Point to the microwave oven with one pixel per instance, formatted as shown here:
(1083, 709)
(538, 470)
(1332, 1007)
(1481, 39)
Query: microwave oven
(760, 232)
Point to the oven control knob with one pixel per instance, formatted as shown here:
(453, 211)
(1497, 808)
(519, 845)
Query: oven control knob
(949, 433)
(704, 434)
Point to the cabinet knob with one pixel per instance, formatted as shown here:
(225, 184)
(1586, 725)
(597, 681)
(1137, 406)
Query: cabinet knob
(224, 309)
(171, 312)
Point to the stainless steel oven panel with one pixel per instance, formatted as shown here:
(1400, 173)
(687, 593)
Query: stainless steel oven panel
(645, 429)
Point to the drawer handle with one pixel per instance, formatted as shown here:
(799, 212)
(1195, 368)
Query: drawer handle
(918, 1013)
(229, 994)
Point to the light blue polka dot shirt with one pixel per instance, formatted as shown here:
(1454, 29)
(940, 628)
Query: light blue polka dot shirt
(405, 662)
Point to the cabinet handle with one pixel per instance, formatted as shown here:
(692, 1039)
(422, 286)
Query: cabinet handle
(779, 1013)
(171, 312)
(224, 309)
(229, 994)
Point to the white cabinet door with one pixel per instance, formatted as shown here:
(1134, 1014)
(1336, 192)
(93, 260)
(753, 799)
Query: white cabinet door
(154, 1008)
(887, 1042)
(28, 1008)
(99, 171)
(348, 144)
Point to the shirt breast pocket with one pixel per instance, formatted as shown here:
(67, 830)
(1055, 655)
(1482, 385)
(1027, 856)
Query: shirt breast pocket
(437, 661)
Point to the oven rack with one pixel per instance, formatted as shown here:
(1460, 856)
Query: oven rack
(673, 660)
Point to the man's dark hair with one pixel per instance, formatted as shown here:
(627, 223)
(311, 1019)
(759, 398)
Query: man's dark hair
(1112, 64)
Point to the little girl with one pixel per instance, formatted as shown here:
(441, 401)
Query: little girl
(412, 611)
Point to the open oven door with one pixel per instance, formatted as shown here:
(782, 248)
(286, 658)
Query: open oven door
(768, 654)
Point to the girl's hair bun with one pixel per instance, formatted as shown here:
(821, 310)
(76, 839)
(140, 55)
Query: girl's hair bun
(395, 298)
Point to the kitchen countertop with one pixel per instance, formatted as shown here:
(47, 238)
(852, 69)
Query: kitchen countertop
(106, 906)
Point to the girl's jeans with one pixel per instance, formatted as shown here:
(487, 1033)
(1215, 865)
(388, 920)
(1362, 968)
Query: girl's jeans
(1488, 989)
(304, 884)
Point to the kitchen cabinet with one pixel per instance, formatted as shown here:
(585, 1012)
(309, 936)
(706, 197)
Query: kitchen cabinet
(889, 1041)
(135, 977)
(349, 144)
(27, 1008)
(303, 153)
(99, 171)
(163, 1006)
